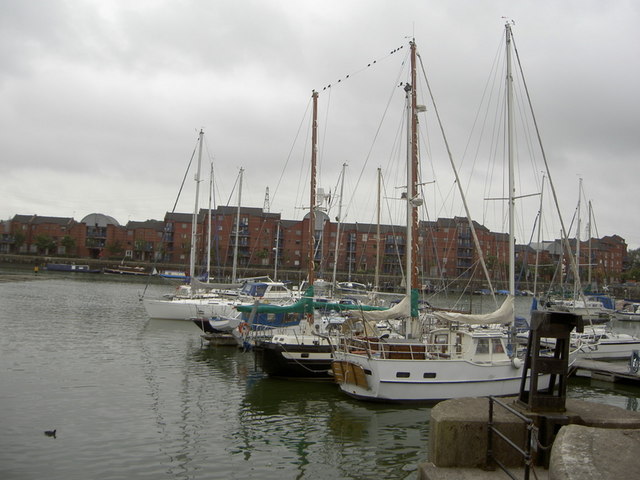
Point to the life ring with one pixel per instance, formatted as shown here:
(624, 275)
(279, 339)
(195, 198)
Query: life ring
(243, 328)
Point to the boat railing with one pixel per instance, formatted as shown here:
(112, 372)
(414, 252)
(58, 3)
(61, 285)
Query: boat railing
(400, 350)
(525, 450)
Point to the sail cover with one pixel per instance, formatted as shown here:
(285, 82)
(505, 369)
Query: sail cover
(504, 315)
(402, 309)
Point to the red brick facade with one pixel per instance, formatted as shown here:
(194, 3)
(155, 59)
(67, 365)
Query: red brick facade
(446, 246)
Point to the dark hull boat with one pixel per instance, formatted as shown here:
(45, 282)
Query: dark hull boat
(280, 357)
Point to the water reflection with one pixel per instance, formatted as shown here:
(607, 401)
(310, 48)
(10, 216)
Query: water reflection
(81, 356)
(390, 439)
(617, 394)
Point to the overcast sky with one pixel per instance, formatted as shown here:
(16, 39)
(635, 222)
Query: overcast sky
(101, 102)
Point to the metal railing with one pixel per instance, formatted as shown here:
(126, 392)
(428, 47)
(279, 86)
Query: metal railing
(525, 452)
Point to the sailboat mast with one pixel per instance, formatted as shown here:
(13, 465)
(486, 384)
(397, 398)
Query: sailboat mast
(275, 267)
(194, 220)
(589, 245)
(414, 170)
(312, 203)
(209, 224)
(412, 183)
(510, 146)
(234, 271)
(339, 218)
(376, 278)
(577, 282)
(539, 246)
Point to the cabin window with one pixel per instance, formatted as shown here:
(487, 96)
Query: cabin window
(441, 339)
(304, 355)
(458, 343)
(483, 346)
(403, 374)
(429, 375)
(367, 371)
(497, 346)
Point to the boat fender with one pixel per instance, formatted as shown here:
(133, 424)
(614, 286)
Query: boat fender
(516, 362)
(634, 362)
(243, 328)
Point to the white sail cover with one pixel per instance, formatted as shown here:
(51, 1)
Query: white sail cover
(205, 286)
(402, 309)
(504, 315)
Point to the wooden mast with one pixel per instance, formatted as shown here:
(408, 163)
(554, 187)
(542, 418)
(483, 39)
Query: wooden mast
(412, 192)
(312, 203)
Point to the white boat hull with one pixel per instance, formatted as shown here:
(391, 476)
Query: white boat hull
(432, 380)
(612, 350)
(188, 308)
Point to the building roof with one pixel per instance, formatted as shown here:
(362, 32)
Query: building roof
(178, 217)
(38, 220)
(150, 224)
(99, 220)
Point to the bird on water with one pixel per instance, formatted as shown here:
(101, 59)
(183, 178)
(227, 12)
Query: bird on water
(50, 433)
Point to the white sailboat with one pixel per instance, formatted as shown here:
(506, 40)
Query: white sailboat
(455, 361)
(197, 299)
(628, 312)
(596, 342)
(592, 308)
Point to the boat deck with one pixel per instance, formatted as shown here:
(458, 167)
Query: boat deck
(616, 372)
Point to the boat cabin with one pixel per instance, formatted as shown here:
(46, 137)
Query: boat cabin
(475, 345)
(267, 290)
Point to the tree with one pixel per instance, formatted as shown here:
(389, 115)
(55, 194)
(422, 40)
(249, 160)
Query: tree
(45, 244)
(68, 243)
(114, 248)
(18, 241)
(633, 257)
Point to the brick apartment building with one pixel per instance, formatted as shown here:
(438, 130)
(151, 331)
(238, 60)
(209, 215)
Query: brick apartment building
(445, 247)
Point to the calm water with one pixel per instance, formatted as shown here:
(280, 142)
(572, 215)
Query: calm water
(137, 398)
